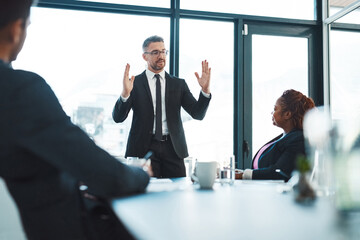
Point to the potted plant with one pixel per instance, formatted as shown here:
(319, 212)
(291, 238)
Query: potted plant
(305, 191)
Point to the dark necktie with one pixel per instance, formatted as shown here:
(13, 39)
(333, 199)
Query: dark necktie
(158, 122)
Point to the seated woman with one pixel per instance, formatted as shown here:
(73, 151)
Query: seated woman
(277, 158)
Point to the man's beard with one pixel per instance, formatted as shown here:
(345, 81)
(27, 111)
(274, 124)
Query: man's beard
(155, 67)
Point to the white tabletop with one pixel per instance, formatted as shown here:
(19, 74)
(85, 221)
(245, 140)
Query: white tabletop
(177, 209)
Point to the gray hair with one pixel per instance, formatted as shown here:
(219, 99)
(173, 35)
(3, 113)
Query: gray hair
(151, 39)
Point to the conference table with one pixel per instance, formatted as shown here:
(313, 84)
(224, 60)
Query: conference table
(174, 209)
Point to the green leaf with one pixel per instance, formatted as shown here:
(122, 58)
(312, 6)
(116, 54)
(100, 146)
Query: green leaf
(302, 164)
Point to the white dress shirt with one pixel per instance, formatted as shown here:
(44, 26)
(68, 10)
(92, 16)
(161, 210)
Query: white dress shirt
(152, 85)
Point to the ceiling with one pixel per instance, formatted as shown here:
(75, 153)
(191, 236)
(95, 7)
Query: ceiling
(341, 3)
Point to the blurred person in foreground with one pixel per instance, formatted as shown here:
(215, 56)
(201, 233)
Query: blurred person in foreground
(156, 98)
(44, 157)
(277, 158)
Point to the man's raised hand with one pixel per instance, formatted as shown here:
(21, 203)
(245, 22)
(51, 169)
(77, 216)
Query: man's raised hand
(204, 80)
(128, 83)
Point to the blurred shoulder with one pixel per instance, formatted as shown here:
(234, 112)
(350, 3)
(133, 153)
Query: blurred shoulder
(22, 76)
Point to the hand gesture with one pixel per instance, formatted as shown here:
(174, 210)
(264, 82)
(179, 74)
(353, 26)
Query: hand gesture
(204, 80)
(128, 83)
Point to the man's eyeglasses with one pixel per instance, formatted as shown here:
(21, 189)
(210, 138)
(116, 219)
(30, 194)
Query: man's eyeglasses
(157, 52)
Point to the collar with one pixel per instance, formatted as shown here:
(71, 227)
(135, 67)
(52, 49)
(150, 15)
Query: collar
(5, 64)
(150, 74)
(289, 133)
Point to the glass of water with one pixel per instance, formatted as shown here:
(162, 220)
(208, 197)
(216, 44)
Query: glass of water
(227, 171)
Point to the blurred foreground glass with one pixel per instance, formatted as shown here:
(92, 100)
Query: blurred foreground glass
(334, 148)
(347, 162)
(348, 181)
(317, 132)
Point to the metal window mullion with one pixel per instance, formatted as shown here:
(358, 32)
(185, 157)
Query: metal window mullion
(174, 38)
(326, 53)
(238, 94)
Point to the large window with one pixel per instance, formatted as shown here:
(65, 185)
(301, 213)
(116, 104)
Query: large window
(344, 62)
(82, 56)
(212, 138)
(345, 75)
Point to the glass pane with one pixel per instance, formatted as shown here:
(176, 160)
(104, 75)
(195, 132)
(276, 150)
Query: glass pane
(278, 64)
(152, 3)
(211, 138)
(352, 17)
(82, 55)
(298, 9)
(345, 74)
(338, 5)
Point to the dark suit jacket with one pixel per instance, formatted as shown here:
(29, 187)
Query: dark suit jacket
(43, 156)
(177, 95)
(281, 156)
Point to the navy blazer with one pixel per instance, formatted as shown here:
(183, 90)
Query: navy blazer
(177, 95)
(44, 156)
(282, 155)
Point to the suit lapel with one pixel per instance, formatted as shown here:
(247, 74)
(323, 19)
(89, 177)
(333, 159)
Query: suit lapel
(168, 83)
(145, 83)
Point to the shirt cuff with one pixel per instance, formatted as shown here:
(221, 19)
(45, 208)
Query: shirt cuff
(124, 99)
(247, 175)
(207, 95)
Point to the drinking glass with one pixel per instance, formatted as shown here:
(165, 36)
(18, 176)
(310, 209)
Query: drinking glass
(227, 171)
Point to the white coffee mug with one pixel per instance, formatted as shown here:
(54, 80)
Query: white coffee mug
(205, 173)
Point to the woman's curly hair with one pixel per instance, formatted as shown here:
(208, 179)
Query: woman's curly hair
(296, 103)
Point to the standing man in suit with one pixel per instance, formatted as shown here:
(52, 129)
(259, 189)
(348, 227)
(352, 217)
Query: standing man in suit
(156, 99)
(44, 157)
